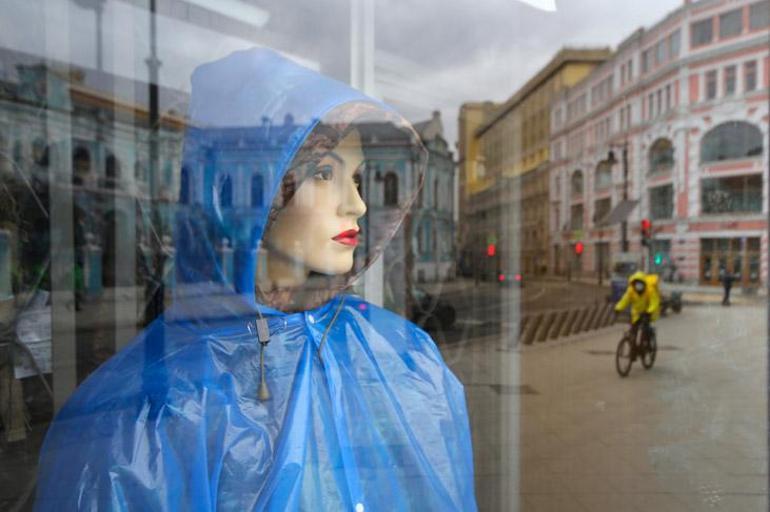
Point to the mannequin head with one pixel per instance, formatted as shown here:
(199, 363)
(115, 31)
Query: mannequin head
(316, 229)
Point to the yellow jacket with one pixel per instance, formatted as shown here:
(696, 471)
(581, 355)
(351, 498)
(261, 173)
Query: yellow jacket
(647, 302)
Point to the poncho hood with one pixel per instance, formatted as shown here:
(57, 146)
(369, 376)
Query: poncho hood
(254, 117)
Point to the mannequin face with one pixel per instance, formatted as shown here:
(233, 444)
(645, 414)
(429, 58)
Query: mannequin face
(318, 229)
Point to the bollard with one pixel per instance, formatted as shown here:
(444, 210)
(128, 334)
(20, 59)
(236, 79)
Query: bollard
(523, 323)
(558, 324)
(545, 326)
(597, 323)
(589, 321)
(529, 334)
(581, 321)
(569, 322)
(608, 313)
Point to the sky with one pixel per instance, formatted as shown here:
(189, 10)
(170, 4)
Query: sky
(431, 54)
(471, 50)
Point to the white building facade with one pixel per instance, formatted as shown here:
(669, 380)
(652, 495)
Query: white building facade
(687, 102)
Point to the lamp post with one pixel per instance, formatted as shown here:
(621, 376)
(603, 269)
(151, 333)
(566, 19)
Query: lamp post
(612, 160)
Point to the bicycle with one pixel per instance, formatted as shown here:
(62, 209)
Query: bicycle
(628, 349)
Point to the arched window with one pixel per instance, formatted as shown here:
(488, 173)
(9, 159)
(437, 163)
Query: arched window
(391, 189)
(576, 183)
(730, 140)
(603, 176)
(184, 186)
(257, 191)
(81, 164)
(661, 156)
(40, 152)
(226, 192)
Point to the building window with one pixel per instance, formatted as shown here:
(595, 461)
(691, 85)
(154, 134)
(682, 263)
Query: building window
(645, 61)
(651, 105)
(711, 84)
(81, 164)
(674, 44)
(759, 15)
(391, 189)
(731, 23)
(257, 191)
(226, 192)
(602, 208)
(576, 183)
(750, 76)
(668, 97)
(662, 202)
(740, 194)
(701, 32)
(661, 156)
(576, 216)
(730, 80)
(660, 52)
(603, 177)
(111, 171)
(731, 140)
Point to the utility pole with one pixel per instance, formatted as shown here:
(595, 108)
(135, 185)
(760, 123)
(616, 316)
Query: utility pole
(624, 224)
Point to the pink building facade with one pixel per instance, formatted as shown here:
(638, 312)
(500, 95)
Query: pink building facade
(687, 101)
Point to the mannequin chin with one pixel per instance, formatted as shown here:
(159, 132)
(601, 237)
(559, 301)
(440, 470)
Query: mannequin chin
(317, 230)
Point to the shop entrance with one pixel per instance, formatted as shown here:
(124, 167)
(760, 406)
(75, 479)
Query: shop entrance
(737, 255)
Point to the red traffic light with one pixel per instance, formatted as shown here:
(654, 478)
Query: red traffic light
(646, 226)
(501, 277)
(491, 250)
(579, 248)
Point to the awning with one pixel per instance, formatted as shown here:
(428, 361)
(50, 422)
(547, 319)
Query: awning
(618, 214)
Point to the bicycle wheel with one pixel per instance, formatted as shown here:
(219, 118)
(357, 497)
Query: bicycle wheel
(650, 351)
(623, 359)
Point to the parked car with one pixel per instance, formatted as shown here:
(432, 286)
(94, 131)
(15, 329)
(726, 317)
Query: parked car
(430, 311)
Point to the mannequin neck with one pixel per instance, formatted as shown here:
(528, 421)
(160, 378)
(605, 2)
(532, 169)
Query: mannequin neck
(281, 273)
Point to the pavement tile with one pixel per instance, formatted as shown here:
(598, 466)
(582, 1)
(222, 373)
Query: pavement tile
(551, 503)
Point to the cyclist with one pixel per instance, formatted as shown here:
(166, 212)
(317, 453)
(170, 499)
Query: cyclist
(643, 297)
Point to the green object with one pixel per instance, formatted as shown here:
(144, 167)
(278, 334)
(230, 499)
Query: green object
(658, 258)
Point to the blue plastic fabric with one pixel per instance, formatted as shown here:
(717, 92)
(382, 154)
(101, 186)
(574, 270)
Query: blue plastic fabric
(373, 421)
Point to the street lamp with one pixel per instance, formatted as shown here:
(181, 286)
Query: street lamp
(612, 161)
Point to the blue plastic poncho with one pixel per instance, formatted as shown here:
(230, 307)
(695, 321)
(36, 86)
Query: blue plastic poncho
(372, 419)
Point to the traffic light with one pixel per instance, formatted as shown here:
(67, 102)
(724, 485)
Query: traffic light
(579, 248)
(491, 250)
(646, 231)
(658, 258)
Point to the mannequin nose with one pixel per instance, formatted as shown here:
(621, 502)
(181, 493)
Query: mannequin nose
(352, 203)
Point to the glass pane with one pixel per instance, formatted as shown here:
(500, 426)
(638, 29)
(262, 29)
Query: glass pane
(365, 255)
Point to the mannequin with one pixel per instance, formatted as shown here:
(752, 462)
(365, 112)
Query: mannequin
(317, 230)
(362, 412)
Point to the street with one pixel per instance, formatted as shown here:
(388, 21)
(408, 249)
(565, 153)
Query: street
(556, 429)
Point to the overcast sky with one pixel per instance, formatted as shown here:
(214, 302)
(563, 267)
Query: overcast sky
(432, 54)
(486, 49)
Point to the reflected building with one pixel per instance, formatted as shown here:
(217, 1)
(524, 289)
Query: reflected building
(504, 161)
(687, 100)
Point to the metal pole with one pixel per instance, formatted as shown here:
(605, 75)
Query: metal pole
(155, 304)
(624, 224)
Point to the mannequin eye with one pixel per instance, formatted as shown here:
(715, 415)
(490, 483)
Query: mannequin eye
(324, 173)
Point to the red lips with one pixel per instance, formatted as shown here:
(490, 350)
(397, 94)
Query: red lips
(349, 237)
